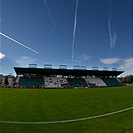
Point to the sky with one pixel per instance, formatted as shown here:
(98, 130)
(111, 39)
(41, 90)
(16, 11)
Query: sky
(92, 33)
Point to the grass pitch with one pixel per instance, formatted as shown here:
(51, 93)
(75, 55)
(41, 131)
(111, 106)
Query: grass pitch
(42, 105)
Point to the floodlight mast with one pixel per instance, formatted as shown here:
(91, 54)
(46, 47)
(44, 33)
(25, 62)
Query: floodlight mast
(63, 66)
(48, 66)
(105, 69)
(32, 65)
(95, 68)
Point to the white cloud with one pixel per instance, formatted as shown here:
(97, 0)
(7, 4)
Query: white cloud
(110, 61)
(82, 58)
(25, 61)
(126, 72)
(127, 66)
(127, 63)
(2, 56)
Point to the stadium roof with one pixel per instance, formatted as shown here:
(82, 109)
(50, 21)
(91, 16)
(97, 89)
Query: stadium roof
(65, 72)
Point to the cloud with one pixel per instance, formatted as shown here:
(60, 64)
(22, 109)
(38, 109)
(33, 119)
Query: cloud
(2, 56)
(127, 63)
(82, 58)
(127, 66)
(110, 61)
(25, 61)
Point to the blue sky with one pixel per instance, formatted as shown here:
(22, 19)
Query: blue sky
(72, 32)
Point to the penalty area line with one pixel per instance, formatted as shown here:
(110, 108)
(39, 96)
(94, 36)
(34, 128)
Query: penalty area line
(67, 121)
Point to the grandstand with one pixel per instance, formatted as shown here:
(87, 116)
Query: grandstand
(78, 77)
(95, 81)
(112, 82)
(30, 82)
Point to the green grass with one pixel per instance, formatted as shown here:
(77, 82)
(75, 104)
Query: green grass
(31, 105)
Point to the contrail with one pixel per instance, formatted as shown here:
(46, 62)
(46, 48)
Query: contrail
(113, 37)
(49, 13)
(18, 43)
(74, 31)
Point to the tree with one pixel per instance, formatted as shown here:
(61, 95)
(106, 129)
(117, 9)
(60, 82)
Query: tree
(127, 79)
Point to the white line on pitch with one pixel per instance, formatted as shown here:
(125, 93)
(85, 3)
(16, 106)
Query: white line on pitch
(66, 121)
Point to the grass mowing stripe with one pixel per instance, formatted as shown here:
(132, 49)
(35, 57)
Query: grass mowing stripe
(47, 105)
(66, 121)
